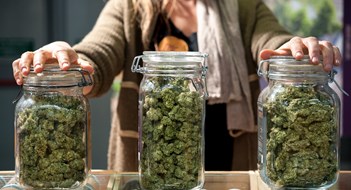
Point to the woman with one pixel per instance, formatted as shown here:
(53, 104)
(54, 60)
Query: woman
(236, 34)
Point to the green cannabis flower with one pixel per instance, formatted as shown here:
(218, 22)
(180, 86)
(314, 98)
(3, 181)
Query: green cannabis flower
(171, 134)
(51, 132)
(301, 137)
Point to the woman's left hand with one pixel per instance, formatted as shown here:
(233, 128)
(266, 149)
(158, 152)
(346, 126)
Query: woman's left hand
(298, 47)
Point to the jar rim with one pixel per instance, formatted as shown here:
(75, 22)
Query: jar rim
(56, 67)
(305, 57)
(174, 57)
(174, 53)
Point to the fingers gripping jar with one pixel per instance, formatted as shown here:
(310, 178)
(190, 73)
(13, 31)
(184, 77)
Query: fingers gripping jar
(298, 118)
(171, 118)
(52, 123)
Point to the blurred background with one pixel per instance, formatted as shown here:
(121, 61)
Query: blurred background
(27, 25)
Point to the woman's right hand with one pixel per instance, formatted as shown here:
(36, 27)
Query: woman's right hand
(60, 52)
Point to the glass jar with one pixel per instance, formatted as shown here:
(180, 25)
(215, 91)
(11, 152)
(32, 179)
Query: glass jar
(298, 125)
(52, 125)
(171, 119)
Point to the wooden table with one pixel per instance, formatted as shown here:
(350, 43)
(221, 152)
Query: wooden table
(110, 180)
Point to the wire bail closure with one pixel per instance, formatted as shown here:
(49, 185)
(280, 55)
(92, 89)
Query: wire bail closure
(331, 75)
(84, 81)
(136, 65)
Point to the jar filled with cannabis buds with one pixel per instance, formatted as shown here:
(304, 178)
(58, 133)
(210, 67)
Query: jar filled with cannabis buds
(171, 117)
(52, 125)
(298, 125)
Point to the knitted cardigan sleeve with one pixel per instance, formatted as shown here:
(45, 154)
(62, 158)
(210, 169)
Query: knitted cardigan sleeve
(104, 46)
(260, 28)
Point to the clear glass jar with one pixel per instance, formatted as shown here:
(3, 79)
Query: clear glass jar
(171, 119)
(298, 125)
(52, 125)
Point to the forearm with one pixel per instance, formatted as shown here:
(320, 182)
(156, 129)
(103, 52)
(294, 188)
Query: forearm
(104, 46)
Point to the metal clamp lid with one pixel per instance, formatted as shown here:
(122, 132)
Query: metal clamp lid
(181, 58)
(84, 82)
(331, 75)
(136, 68)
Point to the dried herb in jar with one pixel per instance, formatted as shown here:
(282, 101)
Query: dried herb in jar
(52, 141)
(301, 127)
(171, 134)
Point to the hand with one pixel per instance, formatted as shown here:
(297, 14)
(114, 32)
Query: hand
(59, 52)
(298, 46)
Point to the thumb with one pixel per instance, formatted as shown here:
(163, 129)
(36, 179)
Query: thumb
(267, 53)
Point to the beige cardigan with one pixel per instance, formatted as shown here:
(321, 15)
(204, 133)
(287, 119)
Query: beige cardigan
(117, 38)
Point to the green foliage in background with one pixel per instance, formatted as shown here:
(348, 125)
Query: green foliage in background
(116, 86)
(307, 17)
